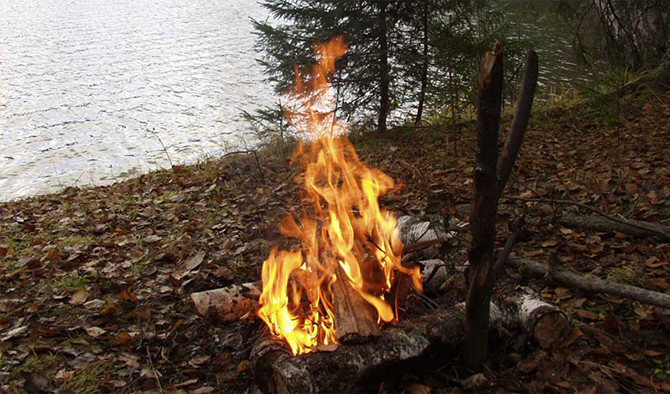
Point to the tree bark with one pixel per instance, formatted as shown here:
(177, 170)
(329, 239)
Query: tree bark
(484, 209)
(424, 69)
(383, 69)
(601, 223)
(529, 267)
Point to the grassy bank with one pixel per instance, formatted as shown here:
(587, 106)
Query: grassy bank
(91, 300)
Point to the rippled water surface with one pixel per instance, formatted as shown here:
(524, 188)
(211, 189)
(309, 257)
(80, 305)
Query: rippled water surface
(81, 82)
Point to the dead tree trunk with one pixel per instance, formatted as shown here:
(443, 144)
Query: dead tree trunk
(484, 208)
(490, 178)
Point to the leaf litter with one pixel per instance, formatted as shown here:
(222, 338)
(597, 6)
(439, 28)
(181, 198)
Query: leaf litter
(94, 283)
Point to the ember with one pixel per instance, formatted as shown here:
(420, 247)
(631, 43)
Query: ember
(344, 237)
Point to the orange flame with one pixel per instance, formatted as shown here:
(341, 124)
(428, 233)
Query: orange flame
(349, 231)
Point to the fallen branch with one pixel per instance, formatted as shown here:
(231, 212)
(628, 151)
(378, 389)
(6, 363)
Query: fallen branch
(631, 227)
(589, 284)
(606, 224)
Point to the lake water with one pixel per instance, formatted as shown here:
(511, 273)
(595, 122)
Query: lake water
(82, 84)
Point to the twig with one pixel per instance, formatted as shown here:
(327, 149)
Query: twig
(151, 363)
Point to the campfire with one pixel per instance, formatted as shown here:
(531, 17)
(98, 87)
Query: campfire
(335, 284)
(326, 295)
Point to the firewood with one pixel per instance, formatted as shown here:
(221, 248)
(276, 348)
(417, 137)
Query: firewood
(228, 304)
(355, 318)
(347, 369)
(350, 368)
(546, 324)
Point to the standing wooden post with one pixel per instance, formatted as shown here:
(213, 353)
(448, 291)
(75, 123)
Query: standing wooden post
(484, 209)
(490, 178)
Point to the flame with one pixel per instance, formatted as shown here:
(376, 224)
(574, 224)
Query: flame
(347, 234)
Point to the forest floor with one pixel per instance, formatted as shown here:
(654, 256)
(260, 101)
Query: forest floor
(94, 286)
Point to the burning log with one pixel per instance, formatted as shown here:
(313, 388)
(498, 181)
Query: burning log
(228, 304)
(355, 319)
(353, 366)
(415, 232)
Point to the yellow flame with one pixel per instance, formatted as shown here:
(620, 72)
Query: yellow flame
(348, 229)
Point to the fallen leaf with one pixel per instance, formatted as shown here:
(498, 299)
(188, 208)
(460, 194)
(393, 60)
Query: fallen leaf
(109, 310)
(151, 239)
(94, 304)
(575, 334)
(122, 338)
(203, 390)
(652, 353)
(418, 388)
(588, 314)
(36, 383)
(94, 331)
(79, 297)
(190, 265)
(14, 333)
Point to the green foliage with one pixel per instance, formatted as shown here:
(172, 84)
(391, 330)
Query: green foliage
(423, 53)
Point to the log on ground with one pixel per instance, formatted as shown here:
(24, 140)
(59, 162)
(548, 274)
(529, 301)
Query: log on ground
(354, 366)
(228, 304)
(604, 224)
(593, 285)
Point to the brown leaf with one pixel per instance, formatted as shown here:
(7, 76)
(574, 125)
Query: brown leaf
(127, 294)
(79, 297)
(122, 338)
(611, 325)
(109, 310)
(652, 353)
(529, 363)
(575, 334)
(418, 388)
(190, 265)
(36, 383)
(588, 314)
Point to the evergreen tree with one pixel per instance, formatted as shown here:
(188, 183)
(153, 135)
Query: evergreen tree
(401, 54)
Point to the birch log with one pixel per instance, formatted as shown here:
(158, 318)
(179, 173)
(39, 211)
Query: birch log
(228, 304)
(352, 367)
